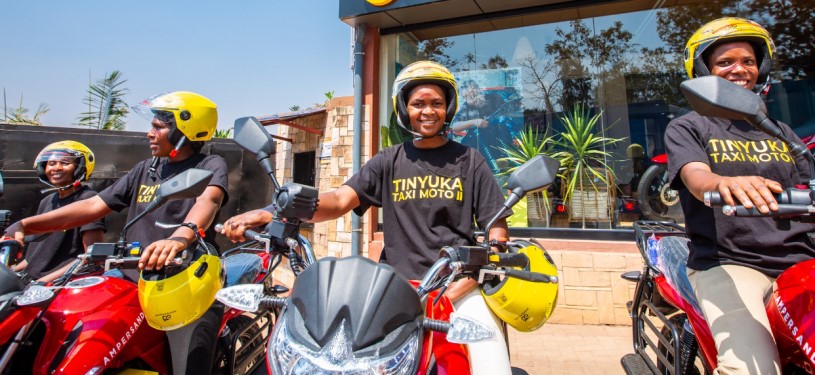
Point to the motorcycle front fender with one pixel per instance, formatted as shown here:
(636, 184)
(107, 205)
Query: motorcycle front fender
(450, 358)
(109, 339)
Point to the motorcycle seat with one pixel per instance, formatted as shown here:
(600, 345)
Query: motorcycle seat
(673, 263)
(242, 268)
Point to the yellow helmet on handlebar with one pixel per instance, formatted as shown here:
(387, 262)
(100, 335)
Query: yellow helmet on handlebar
(525, 305)
(176, 296)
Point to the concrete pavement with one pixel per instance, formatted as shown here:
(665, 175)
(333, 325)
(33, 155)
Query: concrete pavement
(570, 349)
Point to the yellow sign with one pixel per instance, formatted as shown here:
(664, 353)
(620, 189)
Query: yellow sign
(380, 3)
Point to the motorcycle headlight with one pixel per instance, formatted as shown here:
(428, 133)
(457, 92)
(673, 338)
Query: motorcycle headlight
(286, 356)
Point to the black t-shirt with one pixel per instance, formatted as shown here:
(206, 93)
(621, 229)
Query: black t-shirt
(137, 189)
(735, 148)
(429, 198)
(57, 249)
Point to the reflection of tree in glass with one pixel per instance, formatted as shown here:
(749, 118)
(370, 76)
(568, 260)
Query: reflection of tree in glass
(434, 50)
(570, 55)
(575, 59)
(790, 24)
(792, 32)
(656, 77)
(495, 62)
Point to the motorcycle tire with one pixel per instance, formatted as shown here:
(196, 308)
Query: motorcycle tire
(678, 321)
(237, 324)
(652, 194)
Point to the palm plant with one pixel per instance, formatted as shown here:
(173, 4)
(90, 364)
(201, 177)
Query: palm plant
(106, 105)
(20, 114)
(529, 144)
(582, 154)
(220, 133)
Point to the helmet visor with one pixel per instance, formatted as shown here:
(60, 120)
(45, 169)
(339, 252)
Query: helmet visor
(64, 157)
(149, 109)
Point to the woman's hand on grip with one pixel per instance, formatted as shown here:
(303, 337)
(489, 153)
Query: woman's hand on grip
(237, 225)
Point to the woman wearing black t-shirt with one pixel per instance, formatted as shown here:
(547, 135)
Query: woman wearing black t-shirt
(733, 262)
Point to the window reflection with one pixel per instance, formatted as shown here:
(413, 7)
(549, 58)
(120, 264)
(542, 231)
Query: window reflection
(521, 88)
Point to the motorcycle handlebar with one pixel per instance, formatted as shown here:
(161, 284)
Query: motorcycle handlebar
(791, 202)
(530, 276)
(783, 210)
(248, 234)
(510, 260)
(790, 196)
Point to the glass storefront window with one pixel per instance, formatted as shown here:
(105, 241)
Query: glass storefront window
(526, 90)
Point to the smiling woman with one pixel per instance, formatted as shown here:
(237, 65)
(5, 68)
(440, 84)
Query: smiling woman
(427, 110)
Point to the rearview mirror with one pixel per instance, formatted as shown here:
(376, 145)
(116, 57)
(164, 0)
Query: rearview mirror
(717, 97)
(252, 136)
(188, 184)
(536, 173)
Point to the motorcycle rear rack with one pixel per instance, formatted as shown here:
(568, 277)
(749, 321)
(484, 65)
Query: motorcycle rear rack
(644, 229)
(645, 346)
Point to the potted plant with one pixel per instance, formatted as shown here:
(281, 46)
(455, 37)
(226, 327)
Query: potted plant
(586, 176)
(529, 144)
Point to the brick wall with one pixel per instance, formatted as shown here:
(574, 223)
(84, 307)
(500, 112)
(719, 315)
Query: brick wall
(591, 290)
(334, 152)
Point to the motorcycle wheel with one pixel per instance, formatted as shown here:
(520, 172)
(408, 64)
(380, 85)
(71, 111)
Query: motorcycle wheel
(656, 199)
(222, 365)
(677, 321)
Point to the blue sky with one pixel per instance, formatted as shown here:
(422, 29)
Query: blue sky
(250, 57)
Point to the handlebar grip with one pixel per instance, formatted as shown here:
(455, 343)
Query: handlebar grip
(252, 235)
(713, 199)
(248, 234)
(783, 210)
(790, 196)
(510, 260)
(531, 276)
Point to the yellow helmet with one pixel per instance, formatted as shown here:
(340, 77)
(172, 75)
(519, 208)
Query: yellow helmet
(195, 116)
(418, 73)
(73, 151)
(635, 151)
(729, 29)
(176, 296)
(525, 305)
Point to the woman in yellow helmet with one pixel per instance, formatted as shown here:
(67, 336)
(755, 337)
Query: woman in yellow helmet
(431, 190)
(732, 262)
(180, 122)
(63, 166)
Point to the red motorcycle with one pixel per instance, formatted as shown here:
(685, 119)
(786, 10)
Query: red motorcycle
(91, 324)
(656, 199)
(663, 295)
(353, 315)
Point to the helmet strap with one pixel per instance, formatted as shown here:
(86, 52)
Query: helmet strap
(442, 132)
(53, 188)
(177, 147)
(153, 166)
(765, 89)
